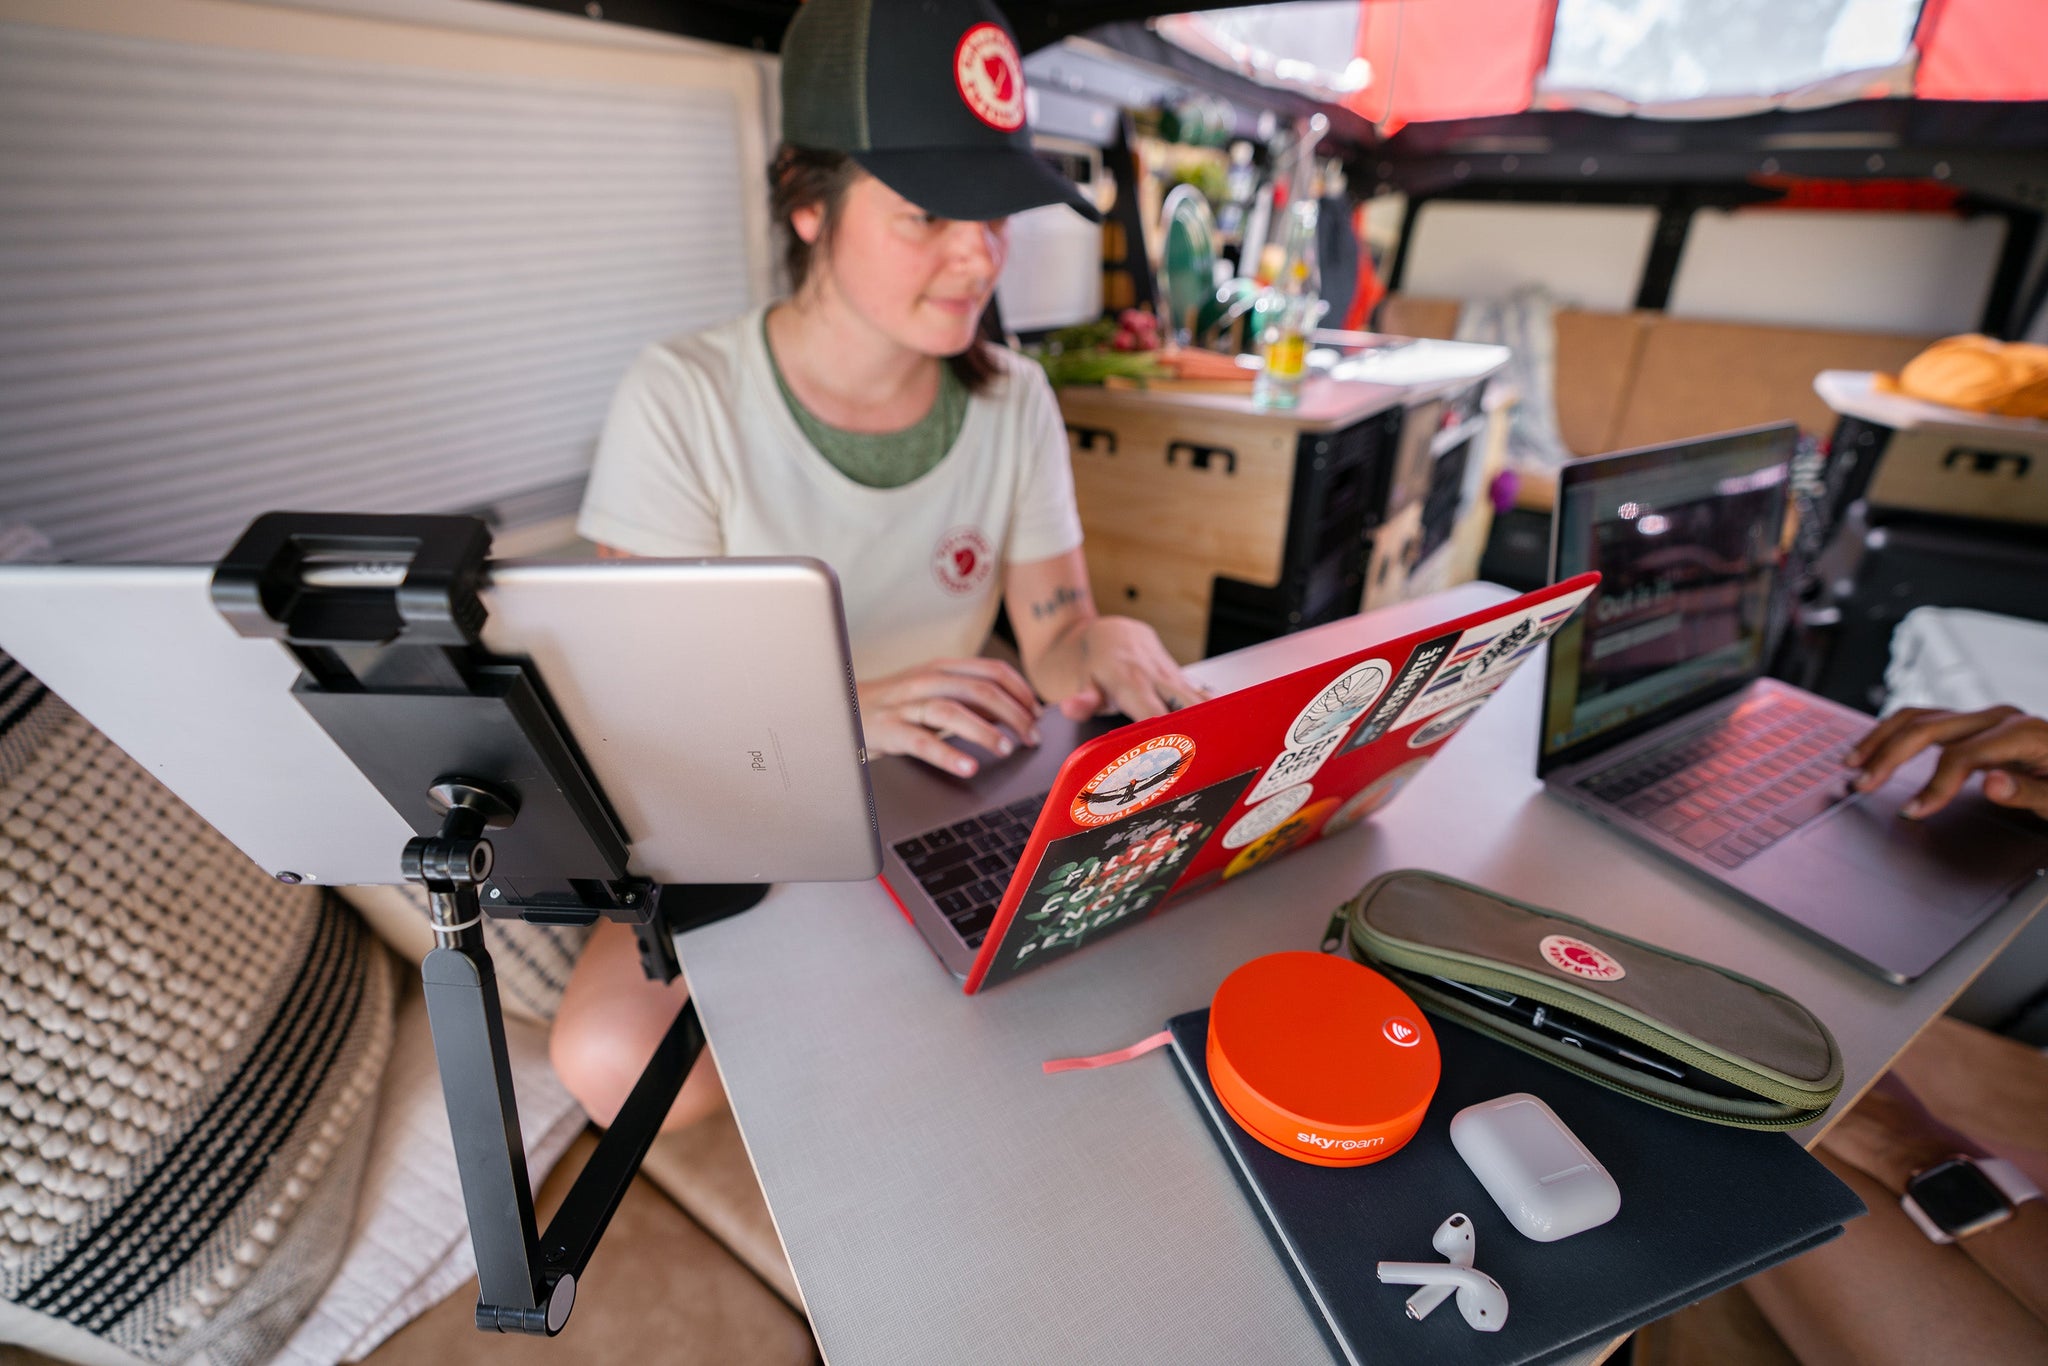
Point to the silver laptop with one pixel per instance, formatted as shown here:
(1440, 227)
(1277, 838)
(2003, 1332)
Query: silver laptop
(1657, 720)
(712, 700)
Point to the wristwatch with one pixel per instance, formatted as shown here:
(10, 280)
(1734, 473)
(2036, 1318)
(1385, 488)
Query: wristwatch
(1962, 1195)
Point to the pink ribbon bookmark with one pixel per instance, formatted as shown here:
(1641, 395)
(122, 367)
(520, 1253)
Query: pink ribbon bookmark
(1138, 1049)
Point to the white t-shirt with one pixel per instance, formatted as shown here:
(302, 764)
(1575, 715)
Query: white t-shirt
(700, 456)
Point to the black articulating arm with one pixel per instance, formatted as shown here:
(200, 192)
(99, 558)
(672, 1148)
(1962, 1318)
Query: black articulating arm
(527, 1282)
(462, 743)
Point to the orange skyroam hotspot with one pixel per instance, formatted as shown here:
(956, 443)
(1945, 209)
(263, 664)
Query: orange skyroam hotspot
(1321, 1058)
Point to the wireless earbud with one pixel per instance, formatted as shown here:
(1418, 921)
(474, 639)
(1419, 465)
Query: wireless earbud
(1454, 1241)
(1480, 1298)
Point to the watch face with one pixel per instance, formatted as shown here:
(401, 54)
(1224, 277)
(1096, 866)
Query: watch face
(1958, 1198)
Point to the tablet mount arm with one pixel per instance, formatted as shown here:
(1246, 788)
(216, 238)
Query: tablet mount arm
(461, 743)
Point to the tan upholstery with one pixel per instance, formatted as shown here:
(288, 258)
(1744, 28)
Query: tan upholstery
(1699, 377)
(1597, 357)
(1632, 379)
(659, 1289)
(1404, 315)
(706, 1170)
(1596, 360)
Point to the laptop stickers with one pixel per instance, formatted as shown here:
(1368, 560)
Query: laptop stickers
(1134, 779)
(1161, 809)
(1089, 884)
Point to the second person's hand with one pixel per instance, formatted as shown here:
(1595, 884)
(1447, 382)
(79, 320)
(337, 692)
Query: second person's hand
(2009, 746)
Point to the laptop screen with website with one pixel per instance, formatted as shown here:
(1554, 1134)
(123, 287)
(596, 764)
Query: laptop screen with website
(1688, 540)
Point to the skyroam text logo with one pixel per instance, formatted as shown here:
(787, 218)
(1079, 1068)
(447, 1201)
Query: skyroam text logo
(1340, 1144)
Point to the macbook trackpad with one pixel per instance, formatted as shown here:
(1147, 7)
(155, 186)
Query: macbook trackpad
(1957, 860)
(1898, 893)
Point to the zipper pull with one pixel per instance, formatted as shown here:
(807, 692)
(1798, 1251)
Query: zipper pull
(1339, 929)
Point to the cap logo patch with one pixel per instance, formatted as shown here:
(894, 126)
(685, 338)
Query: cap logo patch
(990, 77)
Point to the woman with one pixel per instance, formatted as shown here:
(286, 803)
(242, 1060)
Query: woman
(864, 420)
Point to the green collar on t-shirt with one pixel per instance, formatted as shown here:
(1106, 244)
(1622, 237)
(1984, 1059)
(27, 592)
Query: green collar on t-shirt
(881, 460)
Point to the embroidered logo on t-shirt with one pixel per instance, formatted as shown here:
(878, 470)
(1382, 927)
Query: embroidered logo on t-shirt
(990, 77)
(962, 562)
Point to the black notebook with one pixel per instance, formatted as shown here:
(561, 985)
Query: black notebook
(1702, 1207)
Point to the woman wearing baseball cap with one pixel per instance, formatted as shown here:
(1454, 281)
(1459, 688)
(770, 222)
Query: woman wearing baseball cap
(865, 420)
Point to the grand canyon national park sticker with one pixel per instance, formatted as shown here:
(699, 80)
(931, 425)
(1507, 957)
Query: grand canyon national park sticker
(1136, 778)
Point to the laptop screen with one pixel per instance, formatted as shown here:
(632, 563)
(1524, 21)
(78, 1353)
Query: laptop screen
(1688, 540)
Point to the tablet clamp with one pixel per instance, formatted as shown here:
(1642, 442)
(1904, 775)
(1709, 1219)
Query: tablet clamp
(463, 743)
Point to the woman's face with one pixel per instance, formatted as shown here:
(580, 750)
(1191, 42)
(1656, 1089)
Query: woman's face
(920, 281)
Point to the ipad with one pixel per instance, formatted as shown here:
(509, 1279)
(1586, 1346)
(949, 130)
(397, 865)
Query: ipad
(713, 700)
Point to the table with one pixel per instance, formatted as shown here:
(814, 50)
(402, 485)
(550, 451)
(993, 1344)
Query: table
(943, 1201)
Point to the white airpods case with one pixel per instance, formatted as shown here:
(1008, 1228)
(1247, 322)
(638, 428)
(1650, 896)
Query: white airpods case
(1535, 1168)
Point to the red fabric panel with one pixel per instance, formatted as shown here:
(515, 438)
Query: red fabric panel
(1983, 50)
(1885, 195)
(1457, 59)
(1370, 289)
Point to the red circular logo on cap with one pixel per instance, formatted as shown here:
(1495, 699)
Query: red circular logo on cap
(1580, 959)
(962, 560)
(990, 77)
(1401, 1032)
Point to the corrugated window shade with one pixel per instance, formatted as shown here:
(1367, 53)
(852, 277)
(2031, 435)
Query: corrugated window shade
(234, 280)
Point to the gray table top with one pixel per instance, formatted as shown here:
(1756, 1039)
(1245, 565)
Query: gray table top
(942, 1200)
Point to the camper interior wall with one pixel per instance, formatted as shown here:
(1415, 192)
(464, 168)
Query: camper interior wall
(1860, 271)
(1587, 255)
(1910, 273)
(389, 255)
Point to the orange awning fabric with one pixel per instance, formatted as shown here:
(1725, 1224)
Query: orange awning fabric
(1450, 59)
(1982, 50)
(1457, 59)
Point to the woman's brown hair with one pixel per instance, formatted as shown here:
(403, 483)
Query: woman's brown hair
(802, 176)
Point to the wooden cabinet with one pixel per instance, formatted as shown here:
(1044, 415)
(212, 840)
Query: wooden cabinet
(1183, 496)
(1171, 498)
(1222, 525)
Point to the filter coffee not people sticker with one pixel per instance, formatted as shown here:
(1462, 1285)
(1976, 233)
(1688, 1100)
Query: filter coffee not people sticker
(1091, 884)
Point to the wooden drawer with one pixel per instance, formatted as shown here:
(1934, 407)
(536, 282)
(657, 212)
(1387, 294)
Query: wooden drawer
(1167, 590)
(1213, 487)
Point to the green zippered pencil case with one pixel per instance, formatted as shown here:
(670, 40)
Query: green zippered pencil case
(1668, 1030)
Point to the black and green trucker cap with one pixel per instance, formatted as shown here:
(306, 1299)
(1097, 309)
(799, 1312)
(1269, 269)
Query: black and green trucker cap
(927, 95)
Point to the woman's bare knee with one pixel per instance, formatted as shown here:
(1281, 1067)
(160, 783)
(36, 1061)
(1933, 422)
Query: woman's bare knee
(608, 1026)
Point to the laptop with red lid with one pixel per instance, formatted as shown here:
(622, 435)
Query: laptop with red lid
(1097, 828)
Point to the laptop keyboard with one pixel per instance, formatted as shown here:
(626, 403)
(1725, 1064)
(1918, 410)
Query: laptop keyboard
(1739, 788)
(965, 867)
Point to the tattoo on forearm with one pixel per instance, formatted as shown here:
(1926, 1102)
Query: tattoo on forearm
(1062, 598)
